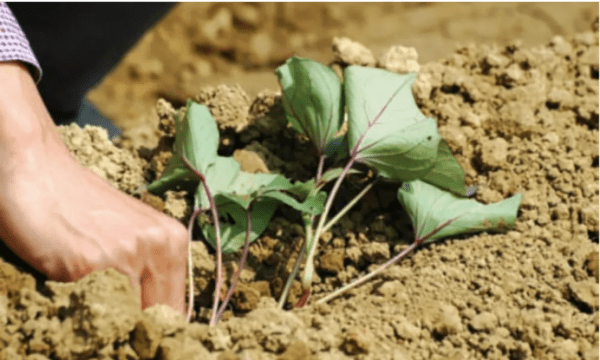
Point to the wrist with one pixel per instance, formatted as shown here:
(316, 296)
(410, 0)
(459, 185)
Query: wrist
(26, 128)
(24, 119)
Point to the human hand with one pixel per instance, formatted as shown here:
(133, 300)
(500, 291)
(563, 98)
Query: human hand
(66, 221)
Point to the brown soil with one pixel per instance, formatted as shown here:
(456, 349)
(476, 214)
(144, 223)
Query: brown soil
(519, 119)
(202, 44)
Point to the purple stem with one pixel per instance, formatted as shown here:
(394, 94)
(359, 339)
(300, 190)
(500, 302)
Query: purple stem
(303, 247)
(236, 276)
(190, 265)
(320, 168)
(323, 217)
(215, 214)
(353, 157)
(390, 262)
(295, 269)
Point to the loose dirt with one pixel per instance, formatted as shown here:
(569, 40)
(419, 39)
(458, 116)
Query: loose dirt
(519, 120)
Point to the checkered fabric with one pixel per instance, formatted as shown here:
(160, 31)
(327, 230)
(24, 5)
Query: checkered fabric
(14, 45)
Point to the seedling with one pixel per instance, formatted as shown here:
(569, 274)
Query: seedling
(386, 132)
(227, 192)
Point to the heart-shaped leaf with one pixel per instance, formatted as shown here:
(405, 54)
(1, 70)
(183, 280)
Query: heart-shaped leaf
(429, 206)
(220, 176)
(392, 134)
(312, 99)
(233, 222)
(197, 138)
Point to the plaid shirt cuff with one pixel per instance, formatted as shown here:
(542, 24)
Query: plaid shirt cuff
(14, 45)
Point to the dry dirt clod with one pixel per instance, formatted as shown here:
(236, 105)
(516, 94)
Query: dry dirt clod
(250, 161)
(591, 263)
(486, 321)
(332, 261)
(350, 52)
(400, 59)
(175, 204)
(91, 147)
(229, 105)
(247, 296)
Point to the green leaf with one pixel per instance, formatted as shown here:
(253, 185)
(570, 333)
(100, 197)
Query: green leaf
(333, 174)
(220, 176)
(399, 141)
(313, 205)
(447, 173)
(273, 182)
(233, 232)
(174, 176)
(253, 184)
(197, 138)
(302, 189)
(312, 99)
(226, 199)
(226, 179)
(263, 191)
(429, 206)
(248, 187)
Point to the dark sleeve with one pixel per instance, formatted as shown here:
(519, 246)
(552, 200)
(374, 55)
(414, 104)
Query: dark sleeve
(14, 46)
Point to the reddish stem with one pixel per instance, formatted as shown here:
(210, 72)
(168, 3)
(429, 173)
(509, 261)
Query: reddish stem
(320, 169)
(303, 299)
(392, 261)
(191, 265)
(215, 214)
(236, 276)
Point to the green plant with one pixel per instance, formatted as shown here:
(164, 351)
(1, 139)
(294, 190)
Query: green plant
(386, 132)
